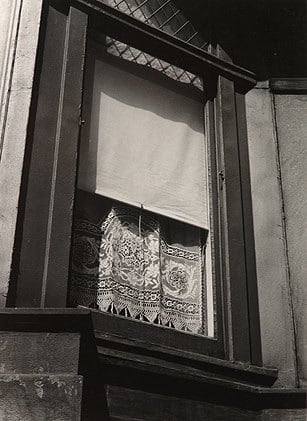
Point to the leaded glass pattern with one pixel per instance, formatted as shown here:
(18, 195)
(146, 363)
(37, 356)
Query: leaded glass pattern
(163, 15)
(126, 52)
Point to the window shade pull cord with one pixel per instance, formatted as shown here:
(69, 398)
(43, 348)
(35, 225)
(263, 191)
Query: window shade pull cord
(140, 220)
(203, 283)
(142, 245)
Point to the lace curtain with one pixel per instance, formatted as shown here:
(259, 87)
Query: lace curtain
(134, 263)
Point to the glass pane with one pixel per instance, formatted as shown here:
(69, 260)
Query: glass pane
(131, 54)
(141, 235)
(164, 15)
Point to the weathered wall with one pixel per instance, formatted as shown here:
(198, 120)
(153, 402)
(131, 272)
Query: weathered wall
(39, 376)
(277, 130)
(17, 60)
(9, 20)
(19, 29)
(291, 119)
(276, 321)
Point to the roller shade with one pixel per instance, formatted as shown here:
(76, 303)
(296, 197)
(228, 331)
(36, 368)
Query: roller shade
(144, 145)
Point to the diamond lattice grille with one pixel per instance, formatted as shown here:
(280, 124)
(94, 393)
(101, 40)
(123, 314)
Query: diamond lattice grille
(164, 15)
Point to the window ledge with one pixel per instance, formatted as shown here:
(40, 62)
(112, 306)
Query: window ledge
(191, 376)
(140, 364)
(134, 352)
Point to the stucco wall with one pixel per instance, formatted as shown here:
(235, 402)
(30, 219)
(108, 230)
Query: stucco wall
(9, 21)
(39, 378)
(291, 119)
(276, 321)
(17, 60)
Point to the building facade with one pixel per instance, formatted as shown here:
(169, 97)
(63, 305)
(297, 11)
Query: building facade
(242, 356)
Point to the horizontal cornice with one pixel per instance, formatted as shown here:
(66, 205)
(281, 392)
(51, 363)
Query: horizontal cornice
(289, 85)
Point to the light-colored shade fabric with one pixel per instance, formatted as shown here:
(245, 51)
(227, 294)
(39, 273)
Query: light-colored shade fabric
(149, 269)
(145, 145)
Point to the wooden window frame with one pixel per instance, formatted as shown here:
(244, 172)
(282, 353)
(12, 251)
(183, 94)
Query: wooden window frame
(43, 241)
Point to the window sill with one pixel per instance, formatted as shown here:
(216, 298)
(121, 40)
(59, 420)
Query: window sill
(147, 366)
(166, 371)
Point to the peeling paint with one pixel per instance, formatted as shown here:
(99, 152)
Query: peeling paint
(39, 388)
(57, 381)
(3, 345)
(7, 378)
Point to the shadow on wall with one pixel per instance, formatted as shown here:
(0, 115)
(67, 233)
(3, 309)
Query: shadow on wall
(265, 36)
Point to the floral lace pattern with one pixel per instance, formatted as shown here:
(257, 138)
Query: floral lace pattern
(124, 265)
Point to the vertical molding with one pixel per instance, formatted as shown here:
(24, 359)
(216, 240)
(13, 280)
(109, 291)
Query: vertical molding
(250, 258)
(45, 242)
(56, 274)
(232, 233)
(37, 173)
(210, 134)
(233, 239)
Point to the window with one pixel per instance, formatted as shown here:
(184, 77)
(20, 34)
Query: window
(142, 145)
(44, 242)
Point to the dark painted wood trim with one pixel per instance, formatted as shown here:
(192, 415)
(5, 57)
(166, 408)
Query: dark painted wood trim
(45, 247)
(213, 180)
(158, 43)
(233, 264)
(144, 352)
(37, 175)
(225, 401)
(248, 226)
(24, 311)
(165, 378)
(65, 163)
(125, 328)
(230, 379)
(173, 369)
(289, 86)
(44, 320)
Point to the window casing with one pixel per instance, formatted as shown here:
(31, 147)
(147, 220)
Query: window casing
(43, 246)
(139, 125)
